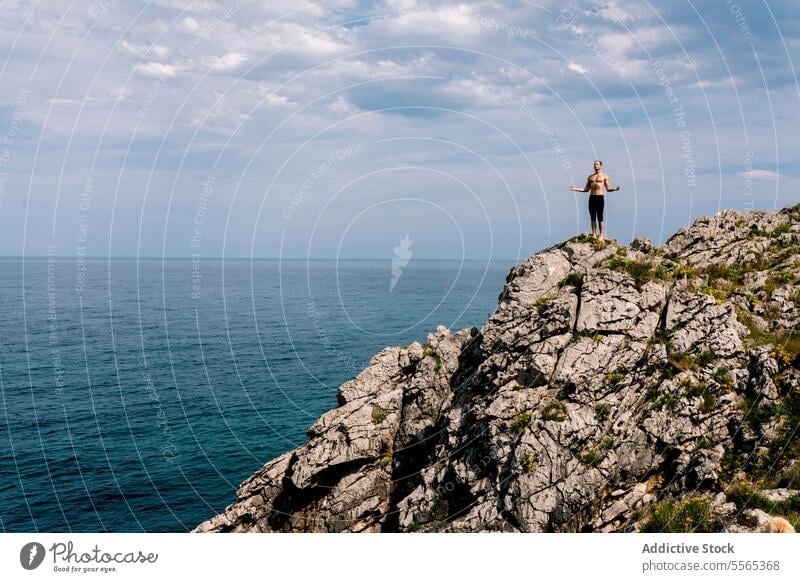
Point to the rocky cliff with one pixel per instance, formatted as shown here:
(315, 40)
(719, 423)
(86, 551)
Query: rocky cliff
(616, 388)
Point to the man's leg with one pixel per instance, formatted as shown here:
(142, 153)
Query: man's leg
(601, 203)
(594, 228)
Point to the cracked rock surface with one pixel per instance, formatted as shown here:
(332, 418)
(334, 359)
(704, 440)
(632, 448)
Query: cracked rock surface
(616, 388)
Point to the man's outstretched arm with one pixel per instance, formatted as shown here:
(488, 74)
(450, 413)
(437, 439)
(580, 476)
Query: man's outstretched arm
(584, 189)
(609, 187)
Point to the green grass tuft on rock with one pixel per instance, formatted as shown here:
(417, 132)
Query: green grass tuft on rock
(689, 516)
(554, 410)
(521, 422)
(573, 279)
(378, 415)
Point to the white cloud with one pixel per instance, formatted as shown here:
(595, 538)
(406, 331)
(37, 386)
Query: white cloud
(629, 12)
(577, 68)
(305, 9)
(156, 70)
(760, 175)
(617, 45)
(480, 91)
(59, 102)
(140, 50)
(318, 45)
(276, 100)
(188, 25)
(342, 106)
(401, 5)
(654, 36)
(298, 40)
(103, 95)
(714, 83)
(459, 24)
(196, 6)
(229, 62)
(515, 74)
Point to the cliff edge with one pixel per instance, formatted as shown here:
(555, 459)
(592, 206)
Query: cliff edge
(616, 388)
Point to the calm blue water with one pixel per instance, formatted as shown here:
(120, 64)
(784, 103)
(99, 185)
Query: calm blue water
(137, 395)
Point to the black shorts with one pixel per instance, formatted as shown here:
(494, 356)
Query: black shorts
(596, 205)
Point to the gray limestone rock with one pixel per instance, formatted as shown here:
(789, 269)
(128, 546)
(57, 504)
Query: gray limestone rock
(609, 380)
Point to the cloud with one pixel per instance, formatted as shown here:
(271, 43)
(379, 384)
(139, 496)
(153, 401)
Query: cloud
(614, 12)
(62, 102)
(298, 40)
(182, 5)
(724, 82)
(768, 175)
(276, 100)
(188, 25)
(229, 62)
(341, 106)
(577, 68)
(156, 70)
(461, 24)
(142, 50)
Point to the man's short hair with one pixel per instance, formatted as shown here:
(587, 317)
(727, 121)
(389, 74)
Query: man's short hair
(601, 163)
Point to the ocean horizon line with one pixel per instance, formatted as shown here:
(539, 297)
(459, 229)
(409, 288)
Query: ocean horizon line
(217, 258)
(293, 259)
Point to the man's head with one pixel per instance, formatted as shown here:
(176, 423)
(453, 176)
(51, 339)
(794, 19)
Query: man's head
(598, 164)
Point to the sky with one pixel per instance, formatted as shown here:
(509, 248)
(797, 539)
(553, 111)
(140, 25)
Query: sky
(350, 129)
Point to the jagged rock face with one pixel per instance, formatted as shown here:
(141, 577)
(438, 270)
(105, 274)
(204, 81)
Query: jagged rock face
(609, 379)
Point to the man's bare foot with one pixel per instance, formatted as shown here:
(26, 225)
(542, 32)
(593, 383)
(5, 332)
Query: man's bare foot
(602, 238)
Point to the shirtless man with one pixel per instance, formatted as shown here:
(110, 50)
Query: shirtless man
(595, 184)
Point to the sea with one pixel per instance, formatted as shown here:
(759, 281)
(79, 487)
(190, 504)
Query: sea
(137, 394)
